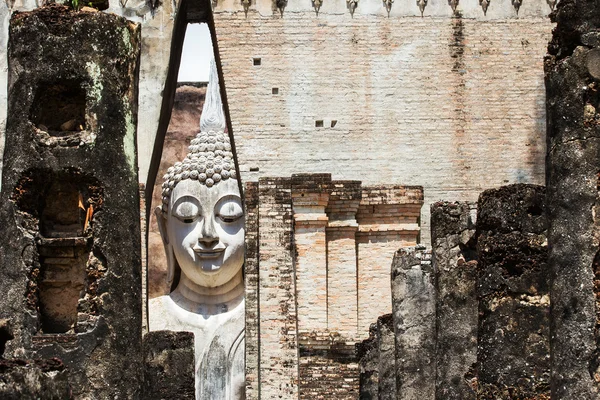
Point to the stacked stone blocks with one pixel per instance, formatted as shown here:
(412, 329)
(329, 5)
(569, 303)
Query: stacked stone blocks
(475, 325)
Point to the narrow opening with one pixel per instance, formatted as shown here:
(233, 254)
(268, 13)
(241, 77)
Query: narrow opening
(58, 210)
(59, 107)
(319, 123)
(333, 123)
(254, 169)
(61, 283)
(179, 125)
(256, 61)
(275, 90)
(5, 335)
(195, 56)
(64, 213)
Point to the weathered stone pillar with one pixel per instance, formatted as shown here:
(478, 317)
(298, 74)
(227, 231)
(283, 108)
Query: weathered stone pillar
(387, 357)
(413, 301)
(277, 306)
(34, 379)
(454, 253)
(342, 294)
(70, 243)
(310, 195)
(572, 169)
(367, 352)
(513, 351)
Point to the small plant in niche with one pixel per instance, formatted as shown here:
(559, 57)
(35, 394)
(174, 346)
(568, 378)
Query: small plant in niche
(79, 4)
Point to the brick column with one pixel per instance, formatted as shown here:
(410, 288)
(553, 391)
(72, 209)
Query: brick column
(342, 294)
(388, 218)
(310, 194)
(251, 268)
(277, 304)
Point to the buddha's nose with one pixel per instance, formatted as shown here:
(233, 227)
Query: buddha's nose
(208, 234)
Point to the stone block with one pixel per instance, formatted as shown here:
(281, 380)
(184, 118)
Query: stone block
(169, 365)
(413, 304)
(454, 259)
(513, 350)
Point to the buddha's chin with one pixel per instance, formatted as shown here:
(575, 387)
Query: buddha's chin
(210, 274)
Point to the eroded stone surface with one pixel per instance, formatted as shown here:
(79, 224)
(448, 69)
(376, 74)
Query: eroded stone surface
(413, 304)
(572, 165)
(169, 365)
(513, 349)
(64, 202)
(455, 264)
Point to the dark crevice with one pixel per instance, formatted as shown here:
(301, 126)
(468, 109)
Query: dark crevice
(5, 335)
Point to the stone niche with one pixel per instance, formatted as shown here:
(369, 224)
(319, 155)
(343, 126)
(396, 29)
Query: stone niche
(58, 210)
(69, 206)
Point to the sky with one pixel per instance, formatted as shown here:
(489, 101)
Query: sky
(196, 55)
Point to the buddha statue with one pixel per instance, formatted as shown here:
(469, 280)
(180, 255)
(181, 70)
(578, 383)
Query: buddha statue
(201, 222)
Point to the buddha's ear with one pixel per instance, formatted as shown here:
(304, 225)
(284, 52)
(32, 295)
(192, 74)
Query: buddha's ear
(161, 220)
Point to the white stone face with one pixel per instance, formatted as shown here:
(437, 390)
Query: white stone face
(205, 227)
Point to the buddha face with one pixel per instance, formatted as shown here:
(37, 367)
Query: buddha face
(205, 226)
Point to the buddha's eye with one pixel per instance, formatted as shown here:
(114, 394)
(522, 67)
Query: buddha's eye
(230, 210)
(186, 212)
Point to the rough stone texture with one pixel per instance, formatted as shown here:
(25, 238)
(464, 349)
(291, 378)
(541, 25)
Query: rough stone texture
(367, 352)
(169, 365)
(45, 170)
(573, 164)
(513, 350)
(455, 265)
(413, 300)
(157, 21)
(33, 380)
(387, 357)
(453, 104)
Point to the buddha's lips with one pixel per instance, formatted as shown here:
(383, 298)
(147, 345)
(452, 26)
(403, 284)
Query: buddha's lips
(209, 253)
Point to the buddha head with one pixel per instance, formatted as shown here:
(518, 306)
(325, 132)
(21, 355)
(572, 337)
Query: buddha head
(201, 219)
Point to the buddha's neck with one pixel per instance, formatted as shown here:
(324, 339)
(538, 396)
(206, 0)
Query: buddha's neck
(210, 300)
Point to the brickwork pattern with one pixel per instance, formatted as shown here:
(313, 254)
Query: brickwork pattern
(387, 221)
(453, 104)
(310, 196)
(328, 367)
(277, 304)
(308, 289)
(251, 277)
